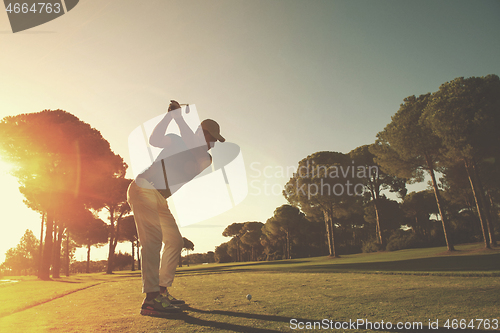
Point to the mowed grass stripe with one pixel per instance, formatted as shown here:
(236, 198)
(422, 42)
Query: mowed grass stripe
(468, 260)
(36, 302)
(30, 291)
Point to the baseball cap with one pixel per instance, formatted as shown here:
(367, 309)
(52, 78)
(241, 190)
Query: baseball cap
(212, 127)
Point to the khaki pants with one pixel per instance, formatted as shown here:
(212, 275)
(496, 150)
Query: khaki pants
(155, 225)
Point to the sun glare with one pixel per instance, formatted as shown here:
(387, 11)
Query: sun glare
(5, 168)
(16, 216)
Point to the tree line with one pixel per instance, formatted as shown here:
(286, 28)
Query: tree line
(24, 259)
(336, 205)
(68, 173)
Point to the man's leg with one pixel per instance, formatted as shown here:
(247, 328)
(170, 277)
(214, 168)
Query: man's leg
(144, 204)
(173, 244)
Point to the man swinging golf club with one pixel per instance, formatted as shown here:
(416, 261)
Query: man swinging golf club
(182, 158)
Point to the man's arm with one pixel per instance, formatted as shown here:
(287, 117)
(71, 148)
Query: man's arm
(158, 137)
(188, 136)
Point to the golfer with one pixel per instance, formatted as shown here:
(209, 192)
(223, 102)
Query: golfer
(181, 159)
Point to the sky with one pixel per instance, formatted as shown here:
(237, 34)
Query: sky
(283, 78)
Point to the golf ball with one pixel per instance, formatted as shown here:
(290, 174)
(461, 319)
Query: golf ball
(249, 297)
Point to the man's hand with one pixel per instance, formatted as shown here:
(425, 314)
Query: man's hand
(174, 105)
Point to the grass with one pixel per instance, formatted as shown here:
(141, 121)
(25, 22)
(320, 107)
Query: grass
(411, 285)
(467, 260)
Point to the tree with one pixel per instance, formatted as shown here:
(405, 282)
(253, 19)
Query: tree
(464, 114)
(209, 257)
(89, 231)
(188, 245)
(64, 218)
(245, 243)
(275, 240)
(116, 204)
(58, 158)
(418, 207)
(463, 210)
(122, 260)
(222, 253)
(251, 236)
(235, 230)
(389, 212)
(456, 187)
(284, 227)
(129, 233)
(323, 184)
(375, 182)
(407, 148)
(24, 257)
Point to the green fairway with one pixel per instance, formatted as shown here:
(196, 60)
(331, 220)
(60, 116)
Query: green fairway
(468, 260)
(411, 286)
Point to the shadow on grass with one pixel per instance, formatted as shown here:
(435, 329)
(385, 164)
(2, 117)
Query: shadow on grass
(67, 281)
(238, 267)
(470, 265)
(332, 325)
(234, 327)
(243, 264)
(217, 271)
(96, 277)
(466, 263)
(120, 274)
